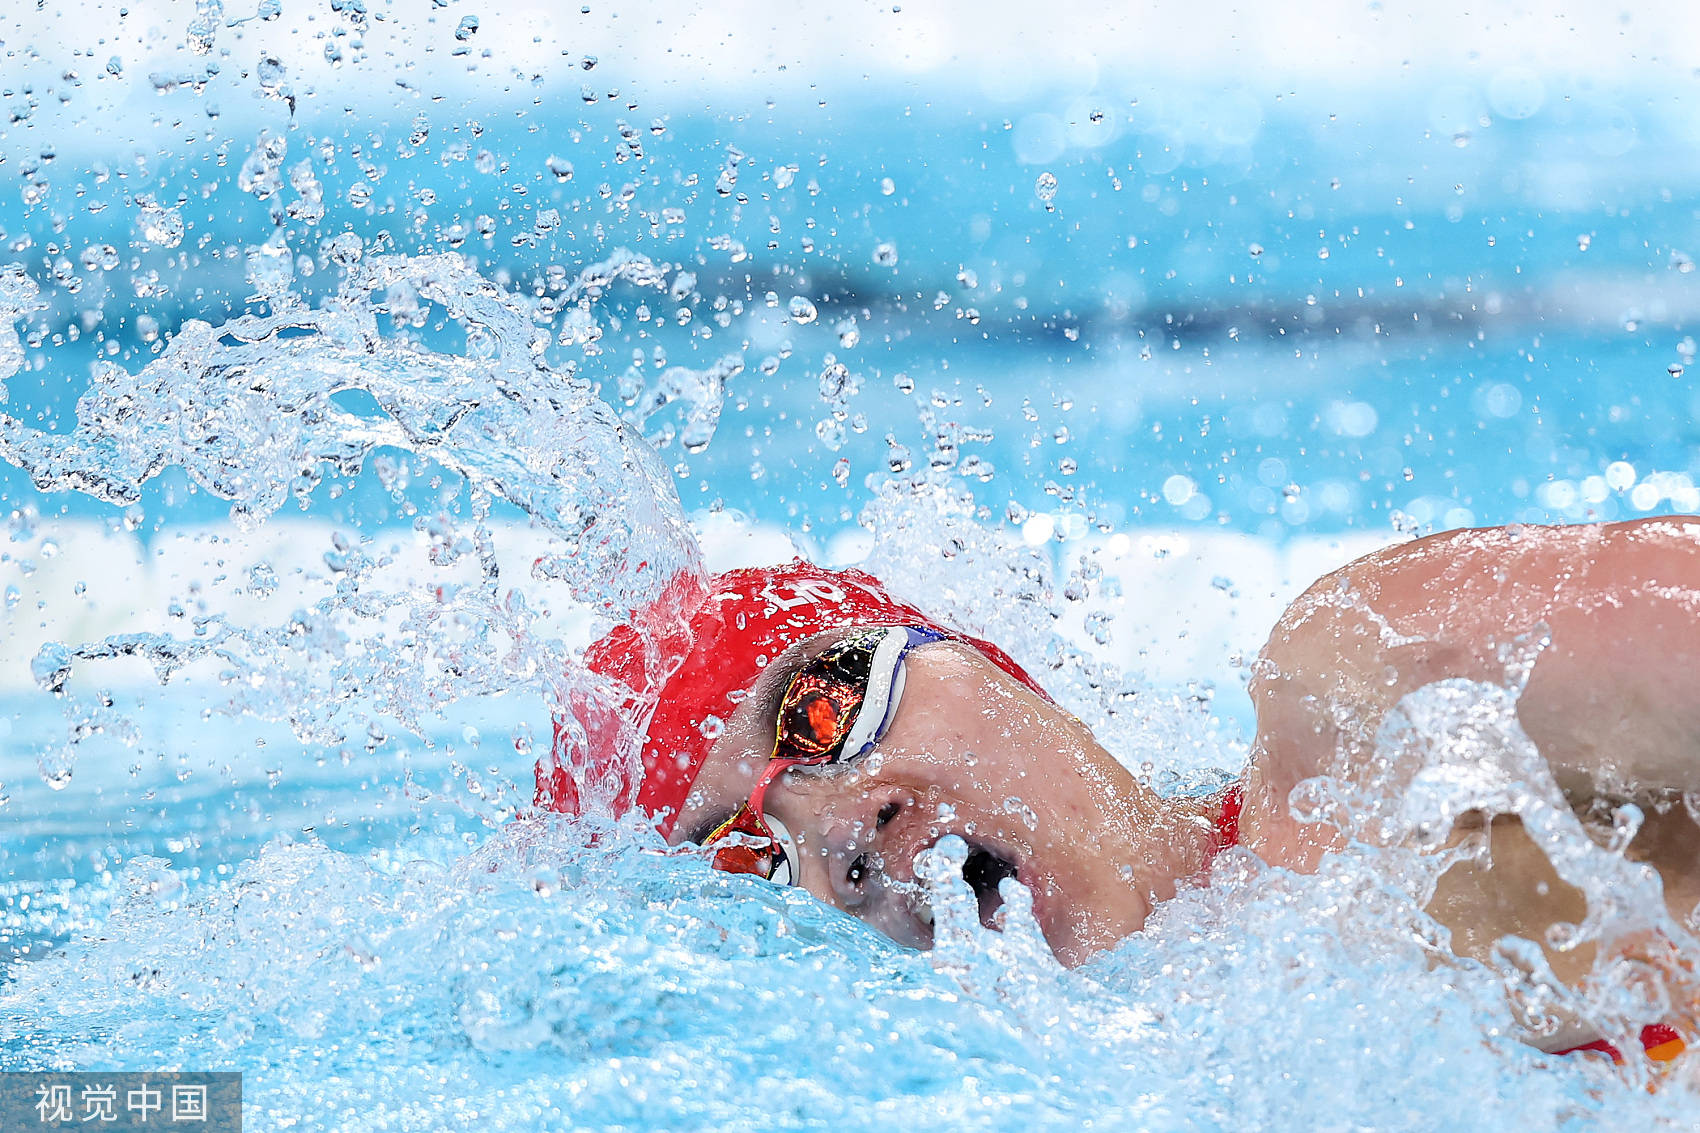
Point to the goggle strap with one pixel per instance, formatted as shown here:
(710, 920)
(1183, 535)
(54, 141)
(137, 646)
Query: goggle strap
(758, 794)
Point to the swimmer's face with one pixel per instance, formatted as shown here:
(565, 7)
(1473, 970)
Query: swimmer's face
(970, 752)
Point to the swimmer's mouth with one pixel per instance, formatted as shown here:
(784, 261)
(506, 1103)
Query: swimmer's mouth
(983, 870)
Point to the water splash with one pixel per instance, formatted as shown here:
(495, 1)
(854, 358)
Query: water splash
(1456, 747)
(258, 410)
(928, 532)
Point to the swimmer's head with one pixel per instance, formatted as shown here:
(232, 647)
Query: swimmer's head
(748, 621)
(931, 732)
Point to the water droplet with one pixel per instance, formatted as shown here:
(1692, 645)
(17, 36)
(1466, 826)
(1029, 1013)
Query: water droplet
(1255, 249)
(99, 257)
(885, 254)
(270, 267)
(801, 310)
(262, 580)
(830, 431)
(203, 29)
(310, 207)
(1583, 240)
(115, 66)
(727, 179)
(51, 666)
(343, 250)
(1674, 369)
(270, 74)
(837, 383)
(560, 167)
(55, 767)
(887, 186)
(1045, 188)
(467, 28)
(160, 226)
(261, 172)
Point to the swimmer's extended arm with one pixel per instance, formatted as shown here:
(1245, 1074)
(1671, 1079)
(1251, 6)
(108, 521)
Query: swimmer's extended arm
(1614, 697)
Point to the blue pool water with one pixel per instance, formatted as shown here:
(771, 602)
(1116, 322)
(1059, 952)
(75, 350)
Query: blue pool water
(345, 398)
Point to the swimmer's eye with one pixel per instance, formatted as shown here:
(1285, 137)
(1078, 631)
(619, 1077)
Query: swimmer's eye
(837, 707)
(887, 813)
(816, 722)
(834, 710)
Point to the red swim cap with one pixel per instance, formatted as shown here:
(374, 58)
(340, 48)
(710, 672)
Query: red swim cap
(748, 619)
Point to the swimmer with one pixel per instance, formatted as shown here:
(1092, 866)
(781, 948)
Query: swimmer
(819, 732)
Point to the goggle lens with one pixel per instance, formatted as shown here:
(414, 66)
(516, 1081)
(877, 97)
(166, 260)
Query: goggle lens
(765, 848)
(835, 709)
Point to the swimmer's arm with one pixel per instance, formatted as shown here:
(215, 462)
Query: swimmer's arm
(1614, 698)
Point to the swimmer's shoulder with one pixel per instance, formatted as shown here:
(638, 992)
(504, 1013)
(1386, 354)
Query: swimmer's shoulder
(1446, 603)
(1603, 612)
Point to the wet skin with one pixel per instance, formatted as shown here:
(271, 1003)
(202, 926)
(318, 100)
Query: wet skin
(974, 753)
(1612, 703)
(1610, 615)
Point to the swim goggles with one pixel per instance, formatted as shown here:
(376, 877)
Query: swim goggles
(835, 709)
